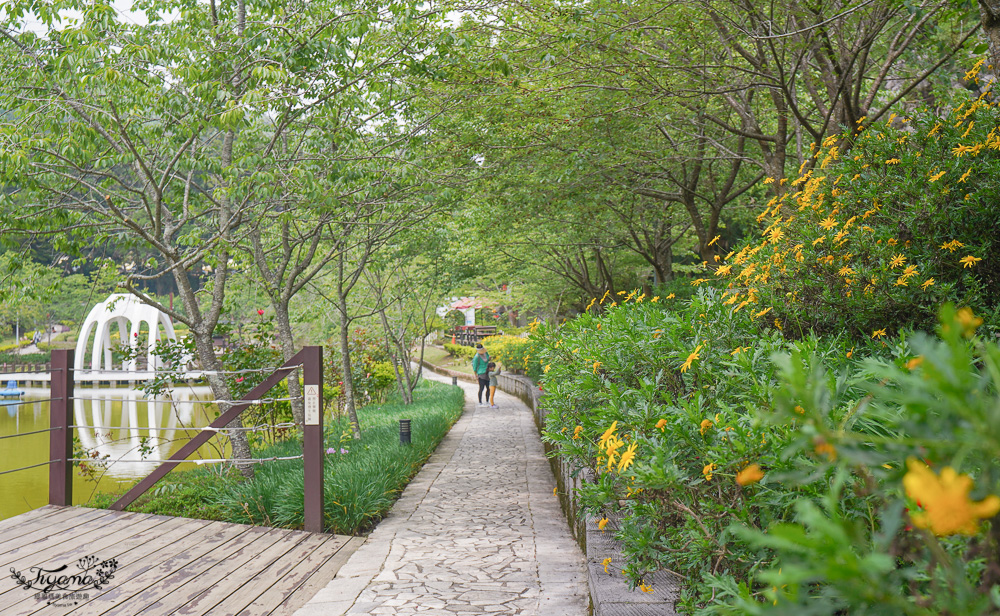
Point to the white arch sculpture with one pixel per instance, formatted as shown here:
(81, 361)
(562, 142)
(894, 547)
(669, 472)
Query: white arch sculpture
(129, 314)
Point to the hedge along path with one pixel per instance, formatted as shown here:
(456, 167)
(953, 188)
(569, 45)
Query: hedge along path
(478, 531)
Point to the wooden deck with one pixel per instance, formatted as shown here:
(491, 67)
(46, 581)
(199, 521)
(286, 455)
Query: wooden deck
(165, 565)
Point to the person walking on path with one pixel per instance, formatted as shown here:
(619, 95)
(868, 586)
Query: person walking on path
(479, 531)
(481, 366)
(494, 372)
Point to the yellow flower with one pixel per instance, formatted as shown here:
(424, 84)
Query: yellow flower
(660, 424)
(714, 240)
(736, 351)
(639, 299)
(777, 324)
(892, 161)
(671, 296)
(750, 474)
(819, 240)
(707, 471)
(878, 333)
(597, 365)
(576, 432)
(769, 180)
(655, 299)
(913, 363)
(828, 223)
(936, 177)
(645, 587)
(845, 271)
(547, 368)
(897, 260)
(627, 457)
(945, 500)
(705, 425)
(952, 246)
(927, 283)
(607, 435)
(602, 523)
(555, 491)
(606, 562)
(969, 261)
(762, 312)
(968, 320)
(691, 358)
(850, 353)
(587, 309)
(826, 449)
(698, 281)
(965, 176)
(722, 271)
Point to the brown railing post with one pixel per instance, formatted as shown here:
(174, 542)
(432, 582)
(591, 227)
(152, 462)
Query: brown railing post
(312, 438)
(61, 436)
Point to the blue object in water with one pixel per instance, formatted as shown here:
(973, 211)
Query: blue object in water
(11, 390)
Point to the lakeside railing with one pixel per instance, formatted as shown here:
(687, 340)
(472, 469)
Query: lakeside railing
(61, 460)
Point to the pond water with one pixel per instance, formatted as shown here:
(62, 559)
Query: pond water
(123, 424)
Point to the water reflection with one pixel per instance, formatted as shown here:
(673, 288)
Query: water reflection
(135, 430)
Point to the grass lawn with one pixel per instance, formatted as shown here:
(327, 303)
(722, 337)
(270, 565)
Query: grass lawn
(362, 479)
(441, 358)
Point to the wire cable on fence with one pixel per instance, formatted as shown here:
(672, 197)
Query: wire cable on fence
(199, 461)
(23, 402)
(258, 428)
(259, 401)
(24, 468)
(27, 433)
(185, 373)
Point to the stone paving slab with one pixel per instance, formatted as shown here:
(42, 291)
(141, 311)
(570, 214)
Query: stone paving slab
(478, 531)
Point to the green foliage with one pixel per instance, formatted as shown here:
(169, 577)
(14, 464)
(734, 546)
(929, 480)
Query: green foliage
(703, 395)
(840, 252)
(460, 350)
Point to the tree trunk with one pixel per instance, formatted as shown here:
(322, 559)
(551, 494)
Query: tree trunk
(209, 361)
(287, 342)
(394, 357)
(345, 362)
(989, 11)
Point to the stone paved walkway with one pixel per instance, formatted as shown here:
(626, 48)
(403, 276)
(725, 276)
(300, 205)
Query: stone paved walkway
(478, 531)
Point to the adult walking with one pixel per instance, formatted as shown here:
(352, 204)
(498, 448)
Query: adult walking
(480, 365)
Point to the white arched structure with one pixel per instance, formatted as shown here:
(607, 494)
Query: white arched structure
(128, 313)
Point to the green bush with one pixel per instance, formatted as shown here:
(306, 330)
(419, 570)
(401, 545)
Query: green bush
(460, 350)
(763, 469)
(879, 238)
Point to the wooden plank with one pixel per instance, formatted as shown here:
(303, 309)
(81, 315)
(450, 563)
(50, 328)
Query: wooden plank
(206, 601)
(167, 594)
(146, 552)
(34, 514)
(193, 547)
(104, 546)
(34, 541)
(29, 522)
(274, 576)
(318, 569)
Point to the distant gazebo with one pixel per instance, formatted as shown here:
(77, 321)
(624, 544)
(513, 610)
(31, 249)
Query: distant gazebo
(128, 314)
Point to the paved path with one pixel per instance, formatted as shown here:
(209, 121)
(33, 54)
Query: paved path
(478, 531)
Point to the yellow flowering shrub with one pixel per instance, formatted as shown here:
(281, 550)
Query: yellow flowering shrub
(881, 238)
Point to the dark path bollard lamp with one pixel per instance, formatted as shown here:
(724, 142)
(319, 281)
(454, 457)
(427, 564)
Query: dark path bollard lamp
(404, 431)
(454, 380)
